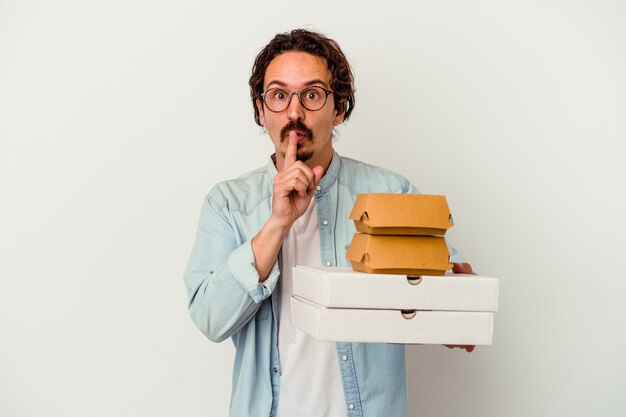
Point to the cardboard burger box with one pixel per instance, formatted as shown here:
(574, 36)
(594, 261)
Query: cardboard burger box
(408, 255)
(401, 214)
(337, 304)
(400, 234)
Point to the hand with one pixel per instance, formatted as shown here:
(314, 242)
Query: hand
(462, 268)
(468, 348)
(294, 186)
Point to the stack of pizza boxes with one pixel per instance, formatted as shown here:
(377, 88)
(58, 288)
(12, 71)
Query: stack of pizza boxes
(399, 289)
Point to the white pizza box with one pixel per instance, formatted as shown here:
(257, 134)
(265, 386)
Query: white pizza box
(391, 326)
(345, 288)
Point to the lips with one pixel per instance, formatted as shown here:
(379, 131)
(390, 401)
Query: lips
(301, 135)
(302, 131)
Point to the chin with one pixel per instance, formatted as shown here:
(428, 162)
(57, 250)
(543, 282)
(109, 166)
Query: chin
(304, 155)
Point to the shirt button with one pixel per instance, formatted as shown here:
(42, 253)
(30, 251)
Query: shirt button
(329, 263)
(275, 369)
(325, 222)
(344, 358)
(319, 187)
(351, 406)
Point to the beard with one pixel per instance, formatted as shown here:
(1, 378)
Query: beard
(304, 150)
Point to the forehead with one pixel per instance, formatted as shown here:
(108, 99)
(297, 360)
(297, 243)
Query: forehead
(295, 69)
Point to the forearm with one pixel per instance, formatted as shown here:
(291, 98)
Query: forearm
(266, 245)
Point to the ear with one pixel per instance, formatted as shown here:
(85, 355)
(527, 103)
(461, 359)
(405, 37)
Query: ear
(338, 116)
(259, 106)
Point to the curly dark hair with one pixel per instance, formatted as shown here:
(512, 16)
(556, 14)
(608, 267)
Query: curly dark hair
(302, 40)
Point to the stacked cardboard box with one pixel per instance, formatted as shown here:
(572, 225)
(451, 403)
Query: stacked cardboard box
(391, 296)
(342, 305)
(400, 234)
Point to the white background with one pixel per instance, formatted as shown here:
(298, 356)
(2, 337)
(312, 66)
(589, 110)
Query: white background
(117, 117)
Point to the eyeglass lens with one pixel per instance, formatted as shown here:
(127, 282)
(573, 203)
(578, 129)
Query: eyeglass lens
(312, 98)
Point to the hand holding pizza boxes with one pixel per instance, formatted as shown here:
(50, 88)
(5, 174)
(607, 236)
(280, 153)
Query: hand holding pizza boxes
(396, 292)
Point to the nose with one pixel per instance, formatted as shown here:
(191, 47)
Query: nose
(295, 111)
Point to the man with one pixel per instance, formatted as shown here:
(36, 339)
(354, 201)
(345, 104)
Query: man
(292, 211)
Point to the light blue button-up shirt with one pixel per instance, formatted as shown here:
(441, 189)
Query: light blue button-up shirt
(226, 299)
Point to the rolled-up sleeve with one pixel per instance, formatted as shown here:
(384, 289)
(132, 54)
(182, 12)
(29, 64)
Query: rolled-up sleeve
(221, 278)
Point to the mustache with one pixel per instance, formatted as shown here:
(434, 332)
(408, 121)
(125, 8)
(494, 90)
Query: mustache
(296, 125)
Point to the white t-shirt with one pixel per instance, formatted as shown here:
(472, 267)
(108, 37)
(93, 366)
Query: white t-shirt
(310, 384)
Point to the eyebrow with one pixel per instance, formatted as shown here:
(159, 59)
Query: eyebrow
(306, 84)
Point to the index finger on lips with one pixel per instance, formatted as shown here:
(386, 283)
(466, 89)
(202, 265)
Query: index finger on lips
(292, 146)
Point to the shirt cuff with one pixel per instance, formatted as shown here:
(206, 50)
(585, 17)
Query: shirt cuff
(455, 255)
(242, 266)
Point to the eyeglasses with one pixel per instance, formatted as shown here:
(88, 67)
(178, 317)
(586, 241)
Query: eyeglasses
(312, 98)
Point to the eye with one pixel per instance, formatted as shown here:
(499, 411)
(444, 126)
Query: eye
(312, 94)
(278, 94)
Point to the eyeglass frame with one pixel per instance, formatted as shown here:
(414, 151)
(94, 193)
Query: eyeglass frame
(291, 93)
